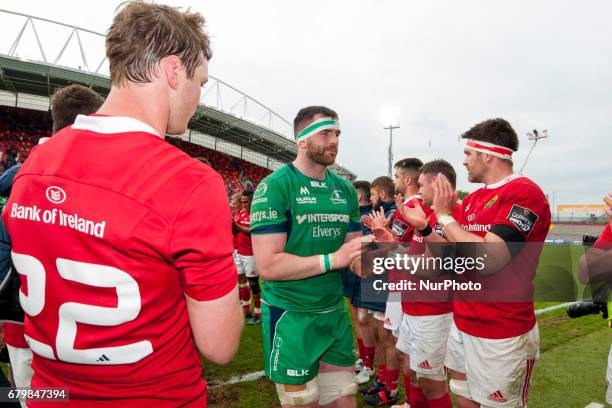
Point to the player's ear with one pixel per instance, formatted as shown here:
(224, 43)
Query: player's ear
(171, 67)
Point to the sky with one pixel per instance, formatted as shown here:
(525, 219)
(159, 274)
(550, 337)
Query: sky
(445, 65)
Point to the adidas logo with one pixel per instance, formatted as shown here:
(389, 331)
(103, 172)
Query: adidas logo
(425, 364)
(102, 358)
(497, 396)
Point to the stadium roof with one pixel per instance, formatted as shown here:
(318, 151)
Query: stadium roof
(224, 113)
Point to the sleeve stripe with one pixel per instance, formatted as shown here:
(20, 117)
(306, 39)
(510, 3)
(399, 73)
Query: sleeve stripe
(270, 229)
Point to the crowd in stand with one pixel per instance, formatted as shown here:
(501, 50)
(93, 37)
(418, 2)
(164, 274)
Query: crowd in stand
(237, 173)
(20, 130)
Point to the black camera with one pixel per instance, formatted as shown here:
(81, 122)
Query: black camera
(599, 304)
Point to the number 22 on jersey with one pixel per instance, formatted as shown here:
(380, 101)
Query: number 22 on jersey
(71, 313)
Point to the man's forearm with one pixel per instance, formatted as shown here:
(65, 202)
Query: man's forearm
(455, 233)
(283, 267)
(596, 266)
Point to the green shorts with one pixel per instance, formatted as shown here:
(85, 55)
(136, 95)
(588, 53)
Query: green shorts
(295, 342)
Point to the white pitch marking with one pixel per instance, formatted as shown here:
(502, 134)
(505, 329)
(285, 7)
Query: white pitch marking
(551, 308)
(594, 405)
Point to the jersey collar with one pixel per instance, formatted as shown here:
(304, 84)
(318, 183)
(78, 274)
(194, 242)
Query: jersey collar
(112, 124)
(409, 199)
(503, 181)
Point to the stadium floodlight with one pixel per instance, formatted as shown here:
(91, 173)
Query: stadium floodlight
(535, 136)
(390, 120)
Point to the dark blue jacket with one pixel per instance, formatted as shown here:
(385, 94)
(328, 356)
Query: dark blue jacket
(363, 211)
(6, 180)
(9, 303)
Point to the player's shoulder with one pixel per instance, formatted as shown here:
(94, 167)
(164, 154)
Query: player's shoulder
(279, 179)
(522, 186)
(339, 181)
(606, 235)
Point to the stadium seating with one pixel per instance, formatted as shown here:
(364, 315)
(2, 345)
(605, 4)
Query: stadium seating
(237, 173)
(20, 130)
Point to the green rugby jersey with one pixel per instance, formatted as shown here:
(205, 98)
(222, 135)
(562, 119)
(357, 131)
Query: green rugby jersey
(316, 215)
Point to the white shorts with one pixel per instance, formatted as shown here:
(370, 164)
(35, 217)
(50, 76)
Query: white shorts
(424, 339)
(393, 313)
(246, 265)
(21, 364)
(498, 370)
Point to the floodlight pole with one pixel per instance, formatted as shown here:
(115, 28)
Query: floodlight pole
(552, 193)
(390, 153)
(535, 136)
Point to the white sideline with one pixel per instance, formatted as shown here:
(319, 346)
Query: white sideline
(551, 308)
(594, 405)
(240, 378)
(258, 374)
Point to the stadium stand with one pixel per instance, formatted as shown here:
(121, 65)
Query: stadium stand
(237, 173)
(20, 130)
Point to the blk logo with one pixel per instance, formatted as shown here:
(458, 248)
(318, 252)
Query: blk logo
(56, 195)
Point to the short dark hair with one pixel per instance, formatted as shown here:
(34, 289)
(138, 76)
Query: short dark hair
(363, 186)
(385, 184)
(410, 164)
(434, 167)
(306, 114)
(73, 100)
(248, 193)
(497, 131)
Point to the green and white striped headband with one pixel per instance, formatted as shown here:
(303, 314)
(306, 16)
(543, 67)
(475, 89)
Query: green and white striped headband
(316, 127)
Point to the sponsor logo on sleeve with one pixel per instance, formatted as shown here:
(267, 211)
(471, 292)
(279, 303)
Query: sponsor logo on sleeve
(523, 218)
(261, 189)
(399, 228)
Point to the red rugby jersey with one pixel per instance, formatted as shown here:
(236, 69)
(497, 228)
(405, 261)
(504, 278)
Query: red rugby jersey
(418, 246)
(604, 238)
(14, 335)
(403, 232)
(400, 227)
(243, 240)
(514, 204)
(111, 228)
